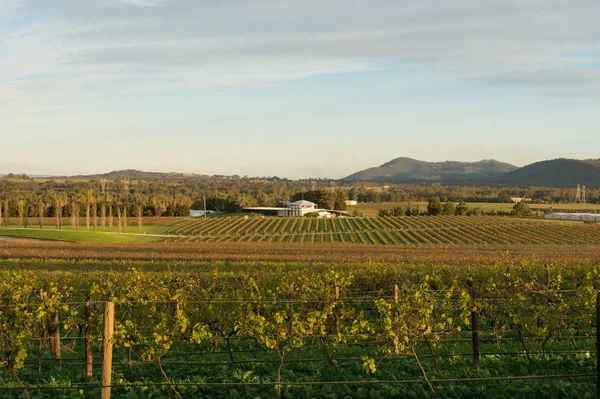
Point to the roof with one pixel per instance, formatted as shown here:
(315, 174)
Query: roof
(264, 208)
(573, 216)
(302, 202)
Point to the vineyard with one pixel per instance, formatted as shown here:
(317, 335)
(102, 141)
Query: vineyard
(401, 231)
(164, 254)
(297, 329)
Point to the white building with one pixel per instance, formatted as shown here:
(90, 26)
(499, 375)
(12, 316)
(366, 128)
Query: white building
(198, 214)
(516, 200)
(297, 208)
(584, 217)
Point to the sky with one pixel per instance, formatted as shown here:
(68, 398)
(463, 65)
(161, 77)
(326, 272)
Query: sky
(294, 89)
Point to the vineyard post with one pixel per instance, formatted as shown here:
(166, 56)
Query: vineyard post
(598, 345)
(56, 340)
(291, 309)
(88, 341)
(396, 301)
(337, 312)
(43, 298)
(474, 328)
(109, 327)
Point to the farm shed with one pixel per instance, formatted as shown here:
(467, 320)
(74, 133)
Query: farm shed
(584, 217)
(198, 213)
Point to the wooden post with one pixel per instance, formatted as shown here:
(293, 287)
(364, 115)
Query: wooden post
(109, 327)
(337, 312)
(89, 359)
(43, 298)
(474, 329)
(291, 310)
(396, 301)
(56, 340)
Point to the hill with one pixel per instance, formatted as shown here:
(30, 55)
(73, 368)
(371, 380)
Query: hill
(558, 173)
(408, 170)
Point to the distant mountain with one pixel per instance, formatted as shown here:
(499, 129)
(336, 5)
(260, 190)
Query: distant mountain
(133, 174)
(408, 170)
(170, 177)
(558, 173)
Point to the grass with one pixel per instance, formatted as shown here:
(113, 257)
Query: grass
(371, 208)
(150, 226)
(68, 234)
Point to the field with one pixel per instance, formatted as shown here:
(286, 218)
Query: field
(240, 328)
(151, 228)
(449, 307)
(371, 209)
(389, 231)
(405, 231)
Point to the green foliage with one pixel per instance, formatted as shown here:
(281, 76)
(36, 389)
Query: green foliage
(521, 209)
(435, 206)
(461, 209)
(448, 209)
(290, 311)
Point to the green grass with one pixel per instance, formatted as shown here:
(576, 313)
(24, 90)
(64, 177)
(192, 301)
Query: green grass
(73, 235)
(371, 208)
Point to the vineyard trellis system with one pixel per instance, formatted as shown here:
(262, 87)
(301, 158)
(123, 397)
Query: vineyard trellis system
(398, 231)
(172, 330)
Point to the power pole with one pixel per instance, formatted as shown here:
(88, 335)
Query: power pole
(204, 207)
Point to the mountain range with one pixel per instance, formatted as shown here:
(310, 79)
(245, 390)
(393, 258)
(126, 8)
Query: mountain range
(408, 170)
(559, 173)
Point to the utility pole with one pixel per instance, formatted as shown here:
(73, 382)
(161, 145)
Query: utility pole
(204, 207)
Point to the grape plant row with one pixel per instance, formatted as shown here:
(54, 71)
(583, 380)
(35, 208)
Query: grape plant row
(279, 314)
(399, 231)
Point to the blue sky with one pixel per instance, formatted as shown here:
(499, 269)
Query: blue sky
(294, 88)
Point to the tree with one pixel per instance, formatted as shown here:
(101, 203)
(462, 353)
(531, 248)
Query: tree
(109, 203)
(353, 194)
(384, 213)
(41, 208)
(90, 200)
(103, 212)
(119, 204)
(449, 208)
(76, 201)
(140, 202)
(435, 206)
(22, 208)
(340, 200)
(6, 212)
(158, 202)
(462, 209)
(60, 201)
(95, 213)
(521, 209)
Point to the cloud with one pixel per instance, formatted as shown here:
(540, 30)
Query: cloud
(61, 51)
(137, 3)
